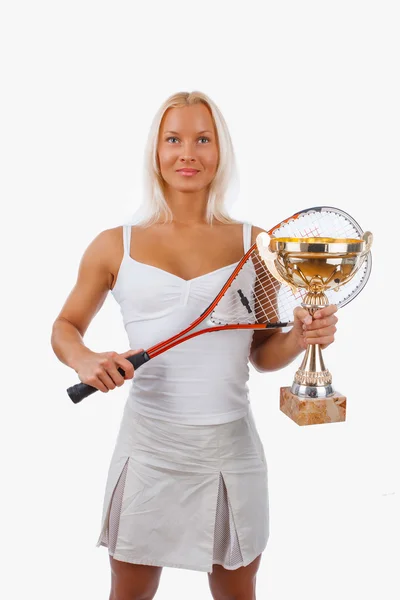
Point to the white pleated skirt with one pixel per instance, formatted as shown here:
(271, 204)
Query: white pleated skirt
(186, 496)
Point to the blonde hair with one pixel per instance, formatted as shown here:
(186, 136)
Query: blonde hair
(223, 188)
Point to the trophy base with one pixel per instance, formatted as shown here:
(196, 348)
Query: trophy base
(311, 411)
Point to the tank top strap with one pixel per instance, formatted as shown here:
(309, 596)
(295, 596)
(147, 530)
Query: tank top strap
(247, 236)
(126, 233)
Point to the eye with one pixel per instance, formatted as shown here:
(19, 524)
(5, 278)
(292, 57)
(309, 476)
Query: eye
(175, 138)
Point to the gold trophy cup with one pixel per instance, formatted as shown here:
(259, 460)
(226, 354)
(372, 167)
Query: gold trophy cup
(314, 265)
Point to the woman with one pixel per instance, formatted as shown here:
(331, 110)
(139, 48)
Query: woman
(187, 484)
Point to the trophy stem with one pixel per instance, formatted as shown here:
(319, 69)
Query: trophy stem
(313, 361)
(312, 399)
(312, 379)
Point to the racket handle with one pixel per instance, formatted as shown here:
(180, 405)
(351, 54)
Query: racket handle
(81, 390)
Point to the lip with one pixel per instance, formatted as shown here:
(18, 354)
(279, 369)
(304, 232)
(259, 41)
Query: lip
(187, 171)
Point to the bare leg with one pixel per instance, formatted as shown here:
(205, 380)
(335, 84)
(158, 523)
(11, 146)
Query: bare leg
(133, 582)
(238, 584)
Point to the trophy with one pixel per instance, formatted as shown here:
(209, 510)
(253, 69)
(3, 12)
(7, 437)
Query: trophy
(312, 268)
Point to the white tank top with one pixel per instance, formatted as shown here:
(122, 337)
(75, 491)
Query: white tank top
(202, 380)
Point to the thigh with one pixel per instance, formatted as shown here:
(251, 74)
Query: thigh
(238, 584)
(130, 581)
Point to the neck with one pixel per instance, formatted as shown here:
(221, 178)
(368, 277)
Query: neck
(188, 208)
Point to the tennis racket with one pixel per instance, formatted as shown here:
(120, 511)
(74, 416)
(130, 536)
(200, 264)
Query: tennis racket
(252, 298)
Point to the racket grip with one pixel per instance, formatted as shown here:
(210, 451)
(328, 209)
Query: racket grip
(81, 390)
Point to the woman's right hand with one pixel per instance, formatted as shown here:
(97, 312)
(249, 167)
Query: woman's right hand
(100, 369)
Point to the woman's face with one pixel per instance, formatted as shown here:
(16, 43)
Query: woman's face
(187, 139)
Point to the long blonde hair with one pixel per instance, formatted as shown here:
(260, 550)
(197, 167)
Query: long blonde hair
(223, 188)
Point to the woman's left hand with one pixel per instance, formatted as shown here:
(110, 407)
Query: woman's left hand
(318, 330)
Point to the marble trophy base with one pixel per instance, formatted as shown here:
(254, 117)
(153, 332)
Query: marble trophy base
(307, 411)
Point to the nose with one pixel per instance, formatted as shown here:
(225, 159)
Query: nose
(188, 154)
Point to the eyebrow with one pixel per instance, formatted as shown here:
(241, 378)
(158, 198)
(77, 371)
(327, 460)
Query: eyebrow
(176, 133)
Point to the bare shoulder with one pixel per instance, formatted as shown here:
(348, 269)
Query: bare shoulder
(107, 237)
(107, 248)
(110, 246)
(110, 236)
(255, 231)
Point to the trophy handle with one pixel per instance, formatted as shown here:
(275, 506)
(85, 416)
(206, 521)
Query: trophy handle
(368, 239)
(269, 257)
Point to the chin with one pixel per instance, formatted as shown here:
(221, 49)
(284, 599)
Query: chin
(186, 185)
(188, 188)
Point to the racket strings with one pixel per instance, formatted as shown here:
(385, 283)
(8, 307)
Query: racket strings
(252, 297)
(319, 224)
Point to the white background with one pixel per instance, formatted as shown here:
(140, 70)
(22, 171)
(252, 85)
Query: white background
(310, 93)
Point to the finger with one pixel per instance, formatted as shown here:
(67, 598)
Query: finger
(326, 311)
(320, 332)
(322, 341)
(131, 352)
(106, 380)
(97, 383)
(126, 366)
(301, 314)
(115, 375)
(321, 323)
(108, 370)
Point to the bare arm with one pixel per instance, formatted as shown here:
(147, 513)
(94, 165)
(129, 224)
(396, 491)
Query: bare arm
(274, 351)
(84, 301)
(95, 279)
